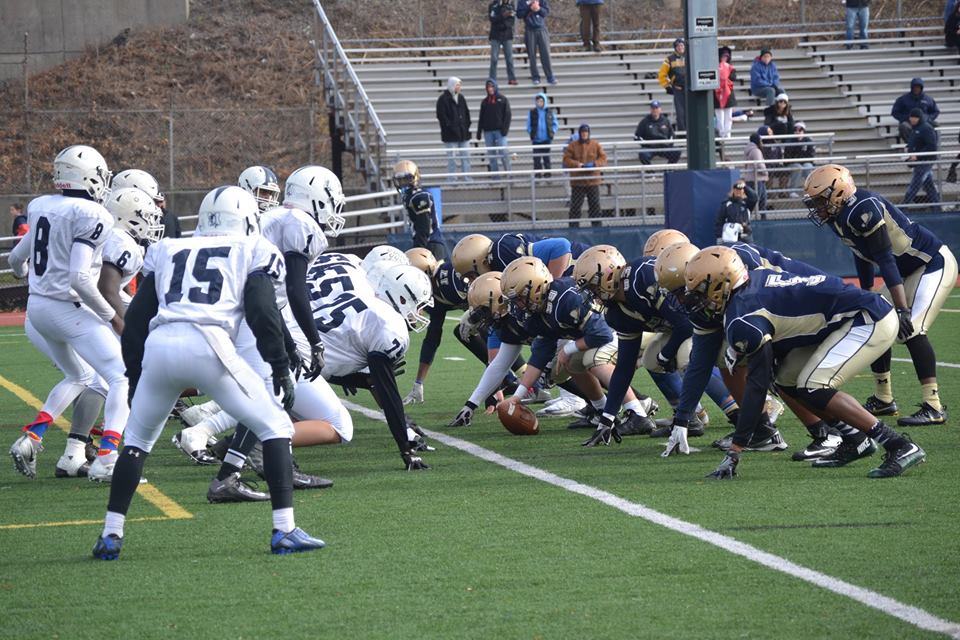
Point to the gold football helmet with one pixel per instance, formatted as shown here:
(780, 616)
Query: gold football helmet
(670, 265)
(524, 283)
(406, 174)
(711, 277)
(423, 259)
(826, 190)
(485, 298)
(598, 271)
(661, 240)
(471, 256)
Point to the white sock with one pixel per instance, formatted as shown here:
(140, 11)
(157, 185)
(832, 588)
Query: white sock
(636, 406)
(235, 459)
(566, 394)
(283, 520)
(113, 524)
(74, 447)
(599, 404)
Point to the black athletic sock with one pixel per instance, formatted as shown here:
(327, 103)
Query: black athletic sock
(924, 359)
(817, 430)
(241, 445)
(882, 364)
(126, 478)
(850, 434)
(278, 469)
(890, 439)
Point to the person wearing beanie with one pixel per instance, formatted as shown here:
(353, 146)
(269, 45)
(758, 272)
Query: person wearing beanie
(542, 127)
(587, 156)
(764, 77)
(923, 139)
(724, 99)
(797, 148)
(673, 79)
(494, 126)
(914, 99)
(453, 114)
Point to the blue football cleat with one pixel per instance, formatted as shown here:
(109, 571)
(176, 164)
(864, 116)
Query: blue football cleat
(294, 541)
(108, 548)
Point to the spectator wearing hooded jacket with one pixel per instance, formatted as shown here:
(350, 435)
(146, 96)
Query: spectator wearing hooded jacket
(724, 99)
(916, 98)
(494, 126)
(736, 210)
(542, 127)
(755, 171)
(534, 15)
(656, 126)
(586, 154)
(503, 16)
(673, 79)
(453, 114)
(764, 77)
(922, 139)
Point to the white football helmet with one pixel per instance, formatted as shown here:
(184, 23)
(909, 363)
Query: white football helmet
(261, 182)
(228, 211)
(136, 212)
(408, 290)
(375, 271)
(384, 252)
(318, 192)
(141, 180)
(82, 168)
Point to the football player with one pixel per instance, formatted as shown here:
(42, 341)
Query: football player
(809, 334)
(77, 326)
(149, 185)
(261, 182)
(421, 212)
(918, 272)
(194, 295)
(633, 304)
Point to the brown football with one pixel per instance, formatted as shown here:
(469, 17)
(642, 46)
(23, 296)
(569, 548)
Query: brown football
(518, 419)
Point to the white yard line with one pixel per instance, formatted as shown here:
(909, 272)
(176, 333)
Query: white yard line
(910, 614)
(949, 365)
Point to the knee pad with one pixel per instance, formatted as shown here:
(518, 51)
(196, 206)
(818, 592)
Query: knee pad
(816, 398)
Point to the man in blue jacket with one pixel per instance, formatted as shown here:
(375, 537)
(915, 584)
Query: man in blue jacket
(764, 77)
(922, 139)
(534, 15)
(914, 99)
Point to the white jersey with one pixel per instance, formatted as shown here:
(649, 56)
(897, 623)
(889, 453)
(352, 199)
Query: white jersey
(124, 253)
(292, 231)
(335, 272)
(353, 323)
(56, 223)
(201, 279)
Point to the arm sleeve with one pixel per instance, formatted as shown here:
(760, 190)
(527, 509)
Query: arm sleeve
(431, 341)
(601, 156)
(260, 310)
(83, 282)
(878, 244)
(865, 273)
(385, 384)
(752, 198)
(507, 117)
(568, 159)
(897, 110)
(934, 110)
(494, 373)
(703, 356)
(297, 297)
(136, 326)
(662, 74)
(530, 131)
(541, 352)
(759, 376)
(628, 352)
(20, 254)
(596, 332)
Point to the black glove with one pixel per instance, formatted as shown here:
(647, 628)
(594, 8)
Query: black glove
(606, 430)
(283, 384)
(316, 361)
(727, 469)
(669, 90)
(669, 365)
(418, 442)
(296, 364)
(412, 462)
(906, 324)
(398, 367)
(464, 418)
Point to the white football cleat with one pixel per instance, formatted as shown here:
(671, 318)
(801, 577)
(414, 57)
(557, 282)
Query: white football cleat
(649, 406)
(72, 466)
(195, 414)
(102, 468)
(542, 395)
(24, 452)
(564, 406)
(193, 442)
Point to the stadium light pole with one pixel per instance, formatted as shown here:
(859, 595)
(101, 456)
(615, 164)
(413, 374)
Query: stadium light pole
(700, 33)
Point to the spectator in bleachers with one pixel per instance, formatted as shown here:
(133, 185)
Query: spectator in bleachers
(916, 98)
(453, 114)
(673, 79)
(20, 226)
(542, 126)
(724, 99)
(952, 173)
(503, 16)
(857, 11)
(779, 118)
(755, 170)
(656, 126)
(534, 15)
(922, 139)
(590, 24)
(735, 210)
(587, 154)
(951, 29)
(493, 126)
(798, 148)
(764, 77)
(948, 8)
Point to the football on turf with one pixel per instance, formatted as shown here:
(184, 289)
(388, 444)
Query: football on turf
(518, 419)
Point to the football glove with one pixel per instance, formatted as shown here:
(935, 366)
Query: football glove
(415, 395)
(398, 367)
(316, 361)
(283, 386)
(678, 440)
(464, 418)
(606, 430)
(416, 438)
(412, 462)
(727, 469)
(906, 324)
(669, 365)
(296, 364)
(731, 359)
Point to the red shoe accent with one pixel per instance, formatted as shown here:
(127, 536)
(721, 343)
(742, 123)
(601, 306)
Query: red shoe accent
(42, 417)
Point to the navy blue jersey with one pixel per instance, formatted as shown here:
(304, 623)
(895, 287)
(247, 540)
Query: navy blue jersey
(911, 245)
(507, 329)
(423, 216)
(795, 311)
(509, 247)
(449, 288)
(646, 307)
(568, 314)
(756, 257)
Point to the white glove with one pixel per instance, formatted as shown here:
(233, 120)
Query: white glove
(731, 359)
(415, 395)
(677, 442)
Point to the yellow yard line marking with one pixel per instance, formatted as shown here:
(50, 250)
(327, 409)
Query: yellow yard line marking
(73, 523)
(170, 509)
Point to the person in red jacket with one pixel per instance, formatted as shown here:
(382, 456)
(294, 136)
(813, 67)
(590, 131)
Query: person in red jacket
(724, 99)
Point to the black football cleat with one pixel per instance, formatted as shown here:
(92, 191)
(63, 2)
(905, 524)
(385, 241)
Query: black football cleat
(926, 416)
(303, 480)
(633, 424)
(878, 407)
(896, 462)
(820, 447)
(847, 452)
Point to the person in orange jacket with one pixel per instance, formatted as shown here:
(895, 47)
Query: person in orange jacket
(586, 154)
